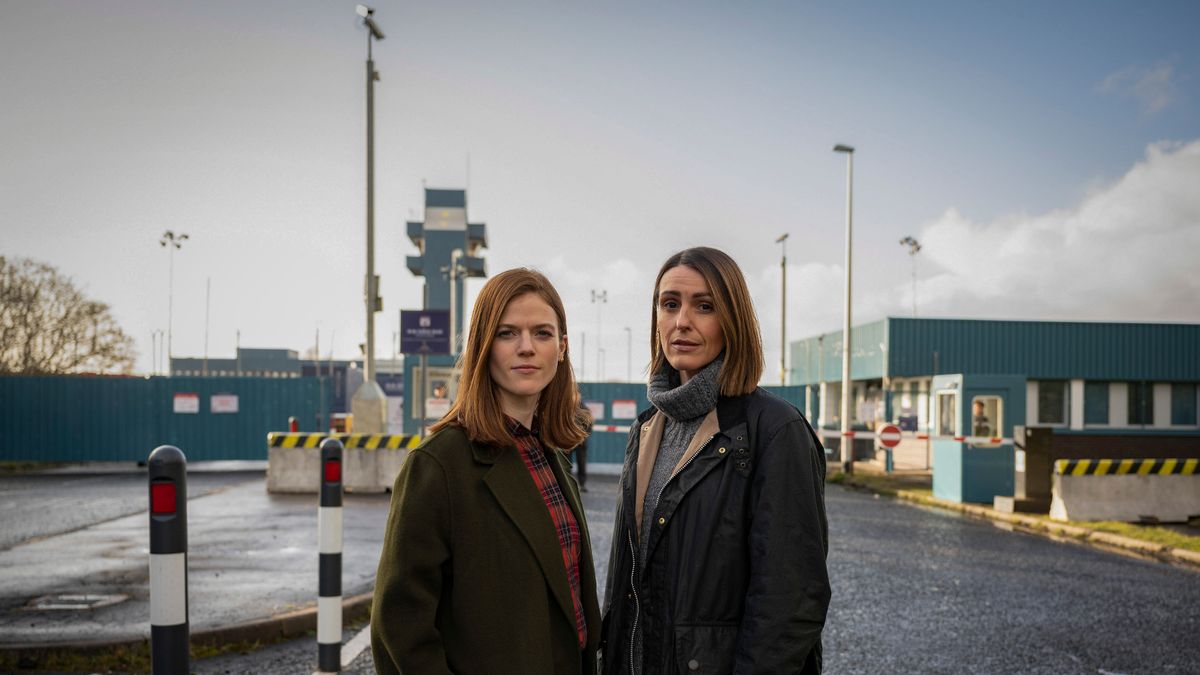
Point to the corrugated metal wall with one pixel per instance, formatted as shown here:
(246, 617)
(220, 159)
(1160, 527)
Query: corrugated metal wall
(1040, 350)
(815, 359)
(123, 419)
(1046, 350)
(608, 447)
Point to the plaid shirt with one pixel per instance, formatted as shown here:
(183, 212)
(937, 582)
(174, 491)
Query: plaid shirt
(565, 525)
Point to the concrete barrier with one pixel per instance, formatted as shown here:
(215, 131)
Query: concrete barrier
(371, 461)
(1128, 490)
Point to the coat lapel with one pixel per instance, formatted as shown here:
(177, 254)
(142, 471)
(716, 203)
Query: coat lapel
(513, 487)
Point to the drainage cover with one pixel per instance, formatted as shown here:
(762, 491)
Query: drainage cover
(75, 602)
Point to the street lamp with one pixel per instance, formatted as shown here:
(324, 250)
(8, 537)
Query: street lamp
(369, 403)
(782, 240)
(847, 439)
(914, 247)
(172, 241)
(598, 299)
(628, 354)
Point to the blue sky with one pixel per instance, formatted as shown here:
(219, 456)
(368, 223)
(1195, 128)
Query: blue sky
(602, 137)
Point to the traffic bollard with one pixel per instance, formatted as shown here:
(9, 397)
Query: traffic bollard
(293, 424)
(168, 561)
(329, 535)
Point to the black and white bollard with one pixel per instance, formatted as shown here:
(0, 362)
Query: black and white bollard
(329, 535)
(168, 561)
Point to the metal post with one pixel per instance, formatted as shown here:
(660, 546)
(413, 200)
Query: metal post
(628, 354)
(455, 255)
(169, 632)
(783, 313)
(847, 435)
(598, 299)
(371, 290)
(329, 536)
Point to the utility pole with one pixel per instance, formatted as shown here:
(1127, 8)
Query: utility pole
(782, 240)
(172, 242)
(598, 299)
(847, 436)
(914, 247)
(369, 404)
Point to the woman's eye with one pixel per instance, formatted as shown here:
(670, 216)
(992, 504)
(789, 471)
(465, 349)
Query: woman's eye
(506, 333)
(545, 333)
(669, 304)
(706, 307)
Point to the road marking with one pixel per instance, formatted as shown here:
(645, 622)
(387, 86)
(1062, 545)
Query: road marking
(357, 645)
(351, 650)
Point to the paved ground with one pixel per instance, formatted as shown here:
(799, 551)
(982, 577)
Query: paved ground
(915, 589)
(251, 555)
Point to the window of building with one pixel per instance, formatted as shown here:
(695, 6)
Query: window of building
(947, 414)
(987, 416)
(1095, 403)
(1183, 403)
(1141, 403)
(1052, 402)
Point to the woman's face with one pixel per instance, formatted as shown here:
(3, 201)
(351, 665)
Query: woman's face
(689, 331)
(525, 352)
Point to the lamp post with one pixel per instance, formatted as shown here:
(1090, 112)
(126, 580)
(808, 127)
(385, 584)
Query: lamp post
(172, 242)
(847, 438)
(914, 247)
(598, 299)
(628, 354)
(782, 240)
(369, 404)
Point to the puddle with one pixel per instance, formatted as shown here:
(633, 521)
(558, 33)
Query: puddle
(75, 602)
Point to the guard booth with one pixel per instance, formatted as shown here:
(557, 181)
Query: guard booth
(973, 420)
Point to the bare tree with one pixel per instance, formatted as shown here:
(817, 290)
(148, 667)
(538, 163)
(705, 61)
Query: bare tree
(48, 327)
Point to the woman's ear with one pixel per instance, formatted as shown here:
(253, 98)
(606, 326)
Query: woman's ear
(562, 349)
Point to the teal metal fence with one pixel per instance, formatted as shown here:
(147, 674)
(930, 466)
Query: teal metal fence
(619, 399)
(68, 419)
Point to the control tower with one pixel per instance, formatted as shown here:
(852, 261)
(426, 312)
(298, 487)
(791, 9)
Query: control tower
(448, 252)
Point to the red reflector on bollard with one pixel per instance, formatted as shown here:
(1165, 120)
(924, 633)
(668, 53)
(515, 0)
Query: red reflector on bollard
(162, 498)
(333, 471)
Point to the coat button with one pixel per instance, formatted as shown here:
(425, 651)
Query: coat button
(720, 451)
(739, 438)
(662, 521)
(693, 665)
(741, 452)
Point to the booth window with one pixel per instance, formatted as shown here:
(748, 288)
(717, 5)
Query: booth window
(1052, 402)
(1183, 403)
(947, 410)
(1141, 403)
(1095, 403)
(986, 416)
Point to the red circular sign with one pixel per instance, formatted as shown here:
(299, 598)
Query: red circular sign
(889, 436)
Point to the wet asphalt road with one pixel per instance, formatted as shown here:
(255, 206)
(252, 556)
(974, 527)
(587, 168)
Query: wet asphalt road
(921, 590)
(46, 504)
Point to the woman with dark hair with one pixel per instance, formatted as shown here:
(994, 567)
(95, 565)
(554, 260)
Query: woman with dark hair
(719, 546)
(486, 565)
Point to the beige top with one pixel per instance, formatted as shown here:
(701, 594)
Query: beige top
(652, 433)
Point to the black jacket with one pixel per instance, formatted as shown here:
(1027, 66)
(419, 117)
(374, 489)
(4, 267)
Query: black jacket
(735, 580)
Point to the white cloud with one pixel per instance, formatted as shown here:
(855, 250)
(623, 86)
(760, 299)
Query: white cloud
(1152, 86)
(1127, 252)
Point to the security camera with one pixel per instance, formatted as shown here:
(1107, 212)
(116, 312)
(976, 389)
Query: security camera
(364, 11)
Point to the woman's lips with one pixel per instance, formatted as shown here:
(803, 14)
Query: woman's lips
(526, 370)
(684, 346)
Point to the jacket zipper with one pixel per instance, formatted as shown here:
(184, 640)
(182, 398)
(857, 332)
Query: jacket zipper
(633, 570)
(637, 603)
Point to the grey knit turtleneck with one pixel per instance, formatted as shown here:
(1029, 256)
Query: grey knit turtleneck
(685, 406)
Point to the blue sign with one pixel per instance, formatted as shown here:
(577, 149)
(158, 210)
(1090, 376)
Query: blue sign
(425, 331)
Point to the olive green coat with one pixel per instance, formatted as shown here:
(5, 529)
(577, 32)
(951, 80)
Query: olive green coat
(471, 578)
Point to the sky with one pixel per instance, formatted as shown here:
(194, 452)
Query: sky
(1046, 156)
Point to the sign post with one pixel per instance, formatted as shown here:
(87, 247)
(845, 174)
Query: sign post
(424, 332)
(889, 437)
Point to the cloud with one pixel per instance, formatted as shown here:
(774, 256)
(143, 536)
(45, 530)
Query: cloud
(1126, 252)
(1152, 86)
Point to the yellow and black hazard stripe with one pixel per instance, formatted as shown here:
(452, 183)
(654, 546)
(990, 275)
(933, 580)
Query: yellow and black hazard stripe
(1122, 467)
(349, 441)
